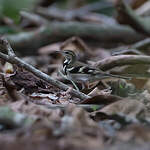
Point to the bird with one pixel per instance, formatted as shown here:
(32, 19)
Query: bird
(78, 72)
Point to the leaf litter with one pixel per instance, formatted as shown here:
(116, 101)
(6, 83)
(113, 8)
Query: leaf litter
(72, 126)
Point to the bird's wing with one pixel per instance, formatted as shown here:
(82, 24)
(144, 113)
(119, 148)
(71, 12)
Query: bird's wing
(84, 70)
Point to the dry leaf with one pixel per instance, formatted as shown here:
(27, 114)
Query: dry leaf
(136, 133)
(129, 107)
(8, 68)
(102, 99)
(76, 44)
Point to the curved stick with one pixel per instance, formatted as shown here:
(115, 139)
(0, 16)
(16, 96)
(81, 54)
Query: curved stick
(121, 60)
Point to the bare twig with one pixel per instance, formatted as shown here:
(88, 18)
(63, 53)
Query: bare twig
(121, 60)
(141, 44)
(70, 15)
(96, 6)
(143, 10)
(12, 58)
(88, 107)
(33, 18)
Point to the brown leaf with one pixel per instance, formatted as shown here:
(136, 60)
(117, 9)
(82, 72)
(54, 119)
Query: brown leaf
(76, 44)
(138, 133)
(102, 99)
(127, 106)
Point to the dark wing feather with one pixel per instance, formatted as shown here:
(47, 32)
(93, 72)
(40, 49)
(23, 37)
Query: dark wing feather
(83, 70)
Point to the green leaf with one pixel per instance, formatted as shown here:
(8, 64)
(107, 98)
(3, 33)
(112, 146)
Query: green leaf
(95, 107)
(11, 8)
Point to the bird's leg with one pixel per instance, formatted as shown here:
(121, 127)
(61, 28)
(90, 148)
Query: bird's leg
(76, 87)
(73, 83)
(62, 75)
(67, 78)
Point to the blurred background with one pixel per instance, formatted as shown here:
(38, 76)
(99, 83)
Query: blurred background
(97, 22)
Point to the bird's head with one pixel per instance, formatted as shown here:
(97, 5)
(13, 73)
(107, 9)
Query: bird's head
(69, 55)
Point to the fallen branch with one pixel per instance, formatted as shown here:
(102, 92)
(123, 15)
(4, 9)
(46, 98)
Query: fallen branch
(57, 31)
(128, 16)
(70, 15)
(87, 107)
(12, 58)
(115, 61)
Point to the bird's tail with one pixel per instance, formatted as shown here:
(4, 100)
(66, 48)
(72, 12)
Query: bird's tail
(118, 76)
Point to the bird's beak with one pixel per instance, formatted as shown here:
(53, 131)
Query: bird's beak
(57, 52)
(60, 52)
